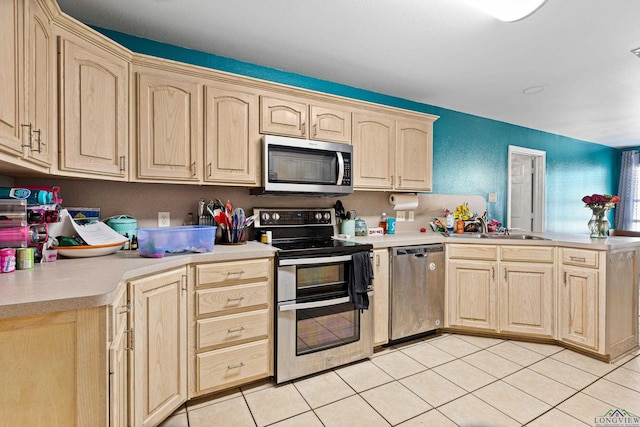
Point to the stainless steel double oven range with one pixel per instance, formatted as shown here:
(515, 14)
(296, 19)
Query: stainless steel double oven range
(316, 325)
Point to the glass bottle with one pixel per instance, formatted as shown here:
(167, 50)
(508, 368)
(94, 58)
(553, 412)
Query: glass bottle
(383, 222)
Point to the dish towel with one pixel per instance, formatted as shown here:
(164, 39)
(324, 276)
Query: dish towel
(361, 278)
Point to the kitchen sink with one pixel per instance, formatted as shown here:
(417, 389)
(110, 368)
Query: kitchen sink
(498, 236)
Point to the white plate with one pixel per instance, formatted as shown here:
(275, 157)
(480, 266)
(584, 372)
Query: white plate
(88, 251)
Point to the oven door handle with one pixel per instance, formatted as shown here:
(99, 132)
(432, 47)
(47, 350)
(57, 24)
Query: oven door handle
(308, 261)
(316, 304)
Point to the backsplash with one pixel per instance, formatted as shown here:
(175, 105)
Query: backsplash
(143, 201)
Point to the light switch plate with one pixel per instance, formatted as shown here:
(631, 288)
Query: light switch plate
(411, 216)
(400, 216)
(493, 197)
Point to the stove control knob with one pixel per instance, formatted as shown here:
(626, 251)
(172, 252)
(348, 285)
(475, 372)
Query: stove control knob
(276, 216)
(327, 216)
(264, 217)
(318, 216)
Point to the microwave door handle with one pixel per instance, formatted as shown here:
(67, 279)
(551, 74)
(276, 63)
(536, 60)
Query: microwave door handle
(309, 261)
(340, 168)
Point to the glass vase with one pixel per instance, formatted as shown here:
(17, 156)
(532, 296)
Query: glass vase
(599, 223)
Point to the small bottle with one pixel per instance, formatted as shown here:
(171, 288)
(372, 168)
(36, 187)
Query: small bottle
(460, 226)
(127, 244)
(383, 222)
(449, 221)
(134, 243)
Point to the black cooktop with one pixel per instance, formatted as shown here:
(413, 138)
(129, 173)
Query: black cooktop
(303, 232)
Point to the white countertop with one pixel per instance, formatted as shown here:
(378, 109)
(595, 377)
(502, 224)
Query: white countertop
(69, 284)
(552, 239)
(72, 283)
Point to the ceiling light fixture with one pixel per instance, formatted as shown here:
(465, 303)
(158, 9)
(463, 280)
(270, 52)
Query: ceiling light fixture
(507, 10)
(533, 90)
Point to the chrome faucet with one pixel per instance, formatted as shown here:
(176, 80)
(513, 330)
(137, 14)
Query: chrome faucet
(483, 223)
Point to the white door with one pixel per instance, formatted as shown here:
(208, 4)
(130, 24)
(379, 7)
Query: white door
(526, 189)
(522, 192)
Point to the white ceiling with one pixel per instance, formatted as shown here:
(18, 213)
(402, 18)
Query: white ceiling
(438, 52)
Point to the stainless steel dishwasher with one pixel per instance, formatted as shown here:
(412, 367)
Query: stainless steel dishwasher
(417, 290)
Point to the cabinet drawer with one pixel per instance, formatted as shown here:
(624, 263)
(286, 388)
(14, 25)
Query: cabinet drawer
(473, 251)
(232, 329)
(581, 257)
(232, 298)
(527, 253)
(219, 273)
(234, 365)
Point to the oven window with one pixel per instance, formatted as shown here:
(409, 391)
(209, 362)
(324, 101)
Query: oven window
(327, 280)
(326, 327)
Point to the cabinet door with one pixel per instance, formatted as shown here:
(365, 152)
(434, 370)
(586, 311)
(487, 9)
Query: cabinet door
(119, 361)
(40, 88)
(94, 115)
(330, 124)
(169, 127)
(54, 369)
(283, 117)
(526, 298)
(381, 296)
(373, 151)
(159, 368)
(414, 151)
(472, 299)
(579, 306)
(11, 82)
(231, 137)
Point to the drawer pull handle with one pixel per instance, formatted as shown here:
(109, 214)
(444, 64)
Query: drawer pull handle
(235, 272)
(578, 259)
(232, 331)
(240, 365)
(235, 299)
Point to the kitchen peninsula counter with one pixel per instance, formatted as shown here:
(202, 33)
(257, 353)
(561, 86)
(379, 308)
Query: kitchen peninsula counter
(580, 241)
(73, 283)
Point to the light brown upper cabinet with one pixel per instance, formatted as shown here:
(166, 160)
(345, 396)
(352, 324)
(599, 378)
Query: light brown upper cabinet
(94, 106)
(27, 83)
(374, 153)
(288, 117)
(11, 83)
(231, 137)
(414, 155)
(169, 126)
(392, 153)
(40, 78)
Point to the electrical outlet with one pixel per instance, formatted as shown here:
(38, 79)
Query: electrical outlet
(164, 219)
(411, 216)
(493, 197)
(400, 216)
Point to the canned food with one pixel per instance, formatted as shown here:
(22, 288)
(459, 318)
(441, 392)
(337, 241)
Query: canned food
(7, 260)
(24, 258)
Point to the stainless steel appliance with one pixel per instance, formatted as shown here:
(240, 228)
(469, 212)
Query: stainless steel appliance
(417, 290)
(317, 327)
(291, 166)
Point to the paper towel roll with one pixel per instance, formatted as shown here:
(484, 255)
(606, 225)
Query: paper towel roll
(404, 202)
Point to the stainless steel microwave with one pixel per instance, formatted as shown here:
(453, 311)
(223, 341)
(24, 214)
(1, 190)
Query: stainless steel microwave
(293, 166)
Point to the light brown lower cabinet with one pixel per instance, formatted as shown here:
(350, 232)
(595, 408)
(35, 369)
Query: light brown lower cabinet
(231, 328)
(53, 373)
(158, 376)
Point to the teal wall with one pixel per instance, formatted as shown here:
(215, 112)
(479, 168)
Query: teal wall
(470, 152)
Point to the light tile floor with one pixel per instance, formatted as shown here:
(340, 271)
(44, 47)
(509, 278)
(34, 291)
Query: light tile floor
(446, 380)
